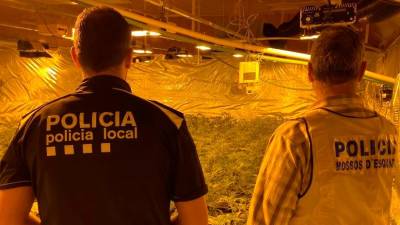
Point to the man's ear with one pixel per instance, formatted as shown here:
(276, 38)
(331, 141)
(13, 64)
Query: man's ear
(311, 77)
(74, 57)
(128, 59)
(362, 71)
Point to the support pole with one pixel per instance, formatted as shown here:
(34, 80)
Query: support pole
(194, 12)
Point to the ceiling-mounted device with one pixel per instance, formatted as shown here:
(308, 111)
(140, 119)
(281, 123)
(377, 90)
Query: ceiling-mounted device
(177, 52)
(386, 93)
(142, 58)
(341, 14)
(249, 72)
(249, 77)
(145, 33)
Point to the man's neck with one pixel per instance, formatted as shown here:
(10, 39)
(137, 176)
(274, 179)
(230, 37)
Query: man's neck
(116, 72)
(325, 91)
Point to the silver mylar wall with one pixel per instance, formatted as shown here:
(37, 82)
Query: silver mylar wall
(208, 88)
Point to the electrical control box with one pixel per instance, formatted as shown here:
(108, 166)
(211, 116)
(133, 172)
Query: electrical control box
(249, 72)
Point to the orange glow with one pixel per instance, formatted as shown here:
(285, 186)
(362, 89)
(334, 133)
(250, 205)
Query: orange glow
(285, 53)
(144, 33)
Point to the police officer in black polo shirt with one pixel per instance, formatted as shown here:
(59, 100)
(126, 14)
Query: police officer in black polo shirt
(101, 155)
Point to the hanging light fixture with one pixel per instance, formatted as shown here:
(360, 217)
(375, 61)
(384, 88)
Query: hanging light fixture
(142, 51)
(310, 37)
(238, 55)
(145, 33)
(203, 48)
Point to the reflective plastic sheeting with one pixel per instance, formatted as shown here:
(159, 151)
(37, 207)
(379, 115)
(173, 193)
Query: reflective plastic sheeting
(391, 59)
(227, 124)
(26, 84)
(209, 88)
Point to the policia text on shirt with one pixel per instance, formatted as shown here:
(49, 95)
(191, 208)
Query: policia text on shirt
(365, 153)
(78, 127)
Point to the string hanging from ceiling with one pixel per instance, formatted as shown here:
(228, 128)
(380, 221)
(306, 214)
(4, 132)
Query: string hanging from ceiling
(242, 23)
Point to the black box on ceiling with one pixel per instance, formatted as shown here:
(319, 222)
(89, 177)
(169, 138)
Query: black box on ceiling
(342, 14)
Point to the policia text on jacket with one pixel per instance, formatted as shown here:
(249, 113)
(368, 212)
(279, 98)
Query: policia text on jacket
(365, 153)
(78, 127)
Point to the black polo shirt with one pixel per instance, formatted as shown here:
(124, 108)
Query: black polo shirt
(104, 156)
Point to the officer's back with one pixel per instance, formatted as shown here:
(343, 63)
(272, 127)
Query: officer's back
(335, 164)
(102, 155)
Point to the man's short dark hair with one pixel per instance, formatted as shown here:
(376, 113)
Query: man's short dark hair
(337, 55)
(102, 38)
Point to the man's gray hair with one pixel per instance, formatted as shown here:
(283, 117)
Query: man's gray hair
(337, 55)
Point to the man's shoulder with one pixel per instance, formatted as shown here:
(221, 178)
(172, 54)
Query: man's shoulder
(173, 115)
(294, 130)
(176, 117)
(389, 124)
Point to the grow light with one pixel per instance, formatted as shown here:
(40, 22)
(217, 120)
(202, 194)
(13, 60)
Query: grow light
(203, 48)
(311, 37)
(185, 55)
(144, 33)
(142, 51)
(238, 55)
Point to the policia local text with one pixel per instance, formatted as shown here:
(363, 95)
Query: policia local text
(111, 122)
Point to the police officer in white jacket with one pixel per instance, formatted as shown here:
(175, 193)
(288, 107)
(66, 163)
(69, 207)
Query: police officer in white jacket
(335, 164)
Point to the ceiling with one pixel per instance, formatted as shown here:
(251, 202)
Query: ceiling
(44, 20)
